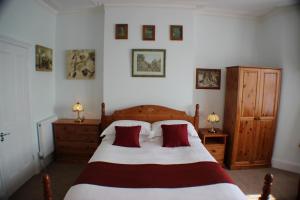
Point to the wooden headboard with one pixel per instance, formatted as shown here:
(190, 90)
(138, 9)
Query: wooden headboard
(148, 113)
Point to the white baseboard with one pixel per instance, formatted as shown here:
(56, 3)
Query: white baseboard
(46, 161)
(286, 165)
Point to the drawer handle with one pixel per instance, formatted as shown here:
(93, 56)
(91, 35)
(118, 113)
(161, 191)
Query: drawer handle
(214, 151)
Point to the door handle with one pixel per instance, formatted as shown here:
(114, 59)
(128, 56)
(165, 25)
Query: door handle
(2, 136)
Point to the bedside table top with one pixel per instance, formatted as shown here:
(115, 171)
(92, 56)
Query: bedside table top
(72, 121)
(204, 132)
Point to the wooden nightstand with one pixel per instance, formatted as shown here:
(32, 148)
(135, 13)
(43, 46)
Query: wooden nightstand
(76, 142)
(214, 142)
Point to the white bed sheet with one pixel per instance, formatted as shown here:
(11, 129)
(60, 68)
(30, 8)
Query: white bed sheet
(152, 152)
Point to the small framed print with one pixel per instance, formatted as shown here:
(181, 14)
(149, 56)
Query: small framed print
(148, 62)
(208, 78)
(148, 32)
(43, 58)
(121, 32)
(176, 32)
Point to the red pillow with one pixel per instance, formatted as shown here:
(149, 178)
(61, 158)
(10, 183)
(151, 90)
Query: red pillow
(127, 136)
(175, 135)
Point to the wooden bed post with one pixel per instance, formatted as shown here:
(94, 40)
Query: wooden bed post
(196, 117)
(298, 197)
(47, 187)
(266, 191)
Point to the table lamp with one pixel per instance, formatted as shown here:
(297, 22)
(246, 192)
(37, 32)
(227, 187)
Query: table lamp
(213, 118)
(77, 107)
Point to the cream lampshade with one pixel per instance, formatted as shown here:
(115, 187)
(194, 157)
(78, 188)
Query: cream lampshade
(213, 118)
(77, 107)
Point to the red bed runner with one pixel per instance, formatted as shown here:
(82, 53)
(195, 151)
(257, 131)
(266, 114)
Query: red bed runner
(153, 175)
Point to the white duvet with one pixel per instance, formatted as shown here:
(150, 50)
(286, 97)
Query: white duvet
(151, 152)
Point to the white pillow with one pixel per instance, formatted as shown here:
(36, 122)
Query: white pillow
(145, 127)
(157, 130)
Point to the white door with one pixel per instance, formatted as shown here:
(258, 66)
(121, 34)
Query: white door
(16, 147)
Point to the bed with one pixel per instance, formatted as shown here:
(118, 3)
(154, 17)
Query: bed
(188, 172)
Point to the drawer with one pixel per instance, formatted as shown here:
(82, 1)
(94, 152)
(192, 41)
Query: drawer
(90, 137)
(75, 147)
(216, 150)
(74, 158)
(69, 128)
(64, 129)
(87, 128)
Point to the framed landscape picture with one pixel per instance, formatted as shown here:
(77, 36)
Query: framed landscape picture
(176, 32)
(208, 78)
(148, 62)
(148, 32)
(121, 31)
(80, 64)
(43, 58)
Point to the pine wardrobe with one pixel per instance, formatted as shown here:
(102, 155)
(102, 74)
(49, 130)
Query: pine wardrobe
(250, 115)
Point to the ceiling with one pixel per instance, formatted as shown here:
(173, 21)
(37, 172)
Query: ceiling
(236, 7)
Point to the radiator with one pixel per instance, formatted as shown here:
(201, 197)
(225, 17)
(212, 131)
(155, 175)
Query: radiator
(45, 137)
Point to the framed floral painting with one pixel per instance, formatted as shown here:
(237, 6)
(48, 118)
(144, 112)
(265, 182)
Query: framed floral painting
(80, 64)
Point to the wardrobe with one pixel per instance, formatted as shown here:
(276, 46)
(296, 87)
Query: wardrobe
(250, 115)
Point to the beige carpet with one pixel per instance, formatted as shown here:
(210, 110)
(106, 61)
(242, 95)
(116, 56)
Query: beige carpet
(250, 182)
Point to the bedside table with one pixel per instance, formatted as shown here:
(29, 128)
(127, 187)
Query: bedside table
(76, 142)
(214, 142)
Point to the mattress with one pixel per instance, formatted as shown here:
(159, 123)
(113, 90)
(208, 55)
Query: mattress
(152, 152)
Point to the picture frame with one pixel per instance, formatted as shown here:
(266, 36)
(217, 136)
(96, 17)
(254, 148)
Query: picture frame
(43, 58)
(148, 63)
(176, 32)
(121, 31)
(208, 78)
(80, 64)
(149, 32)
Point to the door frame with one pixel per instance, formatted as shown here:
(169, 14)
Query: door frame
(30, 61)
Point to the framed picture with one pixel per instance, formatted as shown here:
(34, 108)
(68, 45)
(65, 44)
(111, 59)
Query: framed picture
(208, 78)
(80, 64)
(43, 58)
(176, 32)
(148, 32)
(121, 31)
(148, 62)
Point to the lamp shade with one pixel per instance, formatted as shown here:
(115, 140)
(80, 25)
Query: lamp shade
(213, 117)
(77, 107)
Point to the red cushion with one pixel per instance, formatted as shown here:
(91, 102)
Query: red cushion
(175, 135)
(127, 136)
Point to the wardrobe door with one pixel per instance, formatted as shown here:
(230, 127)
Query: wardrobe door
(267, 112)
(245, 139)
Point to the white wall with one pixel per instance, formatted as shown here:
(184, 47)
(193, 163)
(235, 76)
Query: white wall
(31, 22)
(176, 89)
(280, 46)
(221, 42)
(79, 30)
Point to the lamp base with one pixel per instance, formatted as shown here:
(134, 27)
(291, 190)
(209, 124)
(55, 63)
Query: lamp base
(212, 130)
(78, 120)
